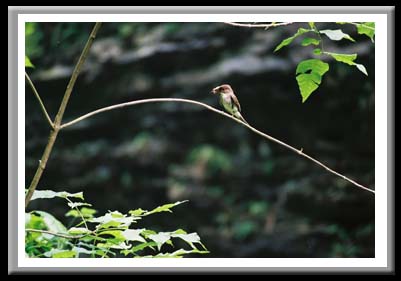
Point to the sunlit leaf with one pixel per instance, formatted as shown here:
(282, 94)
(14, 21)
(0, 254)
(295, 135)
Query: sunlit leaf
(46, 194)
(133, 235)
(78, 230)
(112, 220)
(51, 222)
(160, 238)
(77, 204)
(348, 59)
(336, 34)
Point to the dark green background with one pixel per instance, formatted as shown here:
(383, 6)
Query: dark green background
(247, 197)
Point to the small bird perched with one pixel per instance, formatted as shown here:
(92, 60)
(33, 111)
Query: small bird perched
(229, 101)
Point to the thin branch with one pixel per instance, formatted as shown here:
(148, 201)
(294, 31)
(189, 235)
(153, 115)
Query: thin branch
(59, 116)
(300, 152)
(42, 106)
(56, 234)
(75, 74)
(265, 26)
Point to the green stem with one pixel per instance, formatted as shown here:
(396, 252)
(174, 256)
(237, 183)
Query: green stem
(57, 121)
(79, 212)
(56, 234)
(320, 37)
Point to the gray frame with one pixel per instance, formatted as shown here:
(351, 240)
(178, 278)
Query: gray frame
(13, 136)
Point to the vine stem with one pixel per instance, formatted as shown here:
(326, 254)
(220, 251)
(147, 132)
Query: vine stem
(266, 136)
(57, 121)
(265, 26)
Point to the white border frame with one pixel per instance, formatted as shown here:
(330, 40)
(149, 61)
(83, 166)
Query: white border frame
(380, 259)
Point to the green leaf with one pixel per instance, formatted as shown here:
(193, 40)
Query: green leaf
(309, 76)
(148, 232)
(80, 250)
(313, 65)
(317, 51)
(51, 222)
(348, 59)
(28, 62)
(180, 231)
(189, 238)
(160, 238)
(289, 40)
(308, 41)
(78, 230)
(164, 208)
(133, 235)
(336, 34)
(56, 253)
(143, 246)
(312, 25)
(86, 212)
(109, 245)
(112, 219)
(117, 234)
(65, 254)
(47, 194)
(367, 28)
(137, 212)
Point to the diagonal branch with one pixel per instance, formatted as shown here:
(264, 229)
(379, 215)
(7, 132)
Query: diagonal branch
(266, 136)
(265, 26)
(42, 106)
(59, 116)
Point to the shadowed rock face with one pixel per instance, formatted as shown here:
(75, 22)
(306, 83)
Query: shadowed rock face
(247, 197)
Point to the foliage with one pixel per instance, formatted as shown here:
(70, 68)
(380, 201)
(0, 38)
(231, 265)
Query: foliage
(109, 235)
(310, 81)
(28, 62)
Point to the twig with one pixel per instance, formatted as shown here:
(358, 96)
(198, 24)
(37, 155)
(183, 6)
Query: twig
(56, 234)
(59, 116)
(300, 152)
(42, 106)
(265, 26)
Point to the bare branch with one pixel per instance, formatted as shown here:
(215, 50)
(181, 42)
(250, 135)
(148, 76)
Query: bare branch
(42, 106)
(258, 25)
(266, 136)
(59, 116)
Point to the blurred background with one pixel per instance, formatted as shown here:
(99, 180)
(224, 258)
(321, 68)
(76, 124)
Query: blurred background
(248, 197)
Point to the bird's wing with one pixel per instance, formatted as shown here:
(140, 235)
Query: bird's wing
(221, 101)
(235, 101)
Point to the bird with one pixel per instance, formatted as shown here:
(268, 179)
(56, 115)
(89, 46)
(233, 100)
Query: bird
(229, 101)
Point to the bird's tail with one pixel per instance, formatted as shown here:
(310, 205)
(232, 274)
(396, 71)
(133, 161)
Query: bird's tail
(239, 116)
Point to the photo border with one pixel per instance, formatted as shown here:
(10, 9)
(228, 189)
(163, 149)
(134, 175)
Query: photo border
(13, 13)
